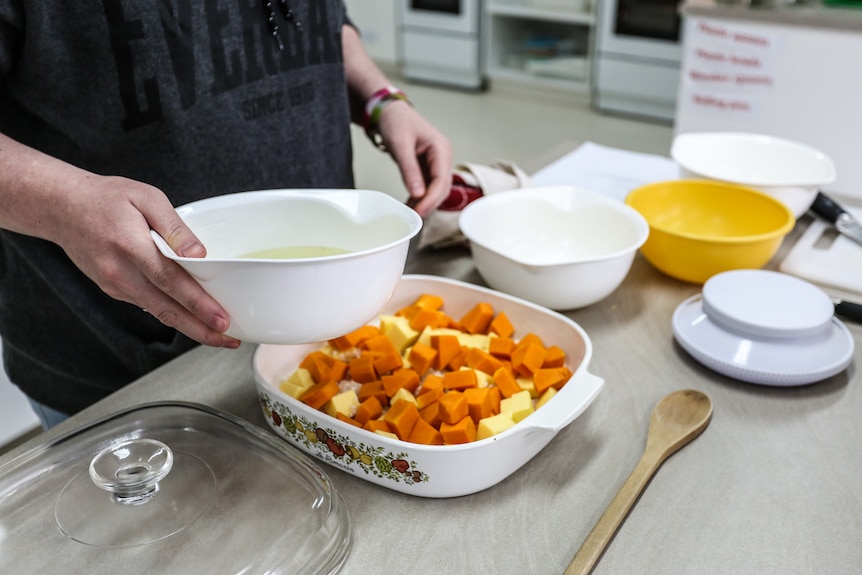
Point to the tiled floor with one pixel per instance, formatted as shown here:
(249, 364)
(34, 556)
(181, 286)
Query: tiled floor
(508, 124)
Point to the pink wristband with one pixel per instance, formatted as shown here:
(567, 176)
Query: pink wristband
(374, 107)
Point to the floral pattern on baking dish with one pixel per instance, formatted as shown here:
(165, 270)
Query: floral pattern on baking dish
(339, 450)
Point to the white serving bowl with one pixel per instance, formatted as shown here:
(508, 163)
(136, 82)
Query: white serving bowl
(561, 247)
(789, 171)
(309, 299)
(433, 470)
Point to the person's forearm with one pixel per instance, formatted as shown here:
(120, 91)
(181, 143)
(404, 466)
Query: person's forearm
(30, 184)
(363, 76)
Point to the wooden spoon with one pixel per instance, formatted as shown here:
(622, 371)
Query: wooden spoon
(677, 419)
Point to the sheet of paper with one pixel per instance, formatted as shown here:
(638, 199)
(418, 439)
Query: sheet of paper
(609, 171)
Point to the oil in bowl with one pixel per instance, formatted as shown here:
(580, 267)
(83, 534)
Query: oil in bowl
(294, 253)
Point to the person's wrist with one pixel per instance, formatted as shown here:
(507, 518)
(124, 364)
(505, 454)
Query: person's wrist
(374, 109)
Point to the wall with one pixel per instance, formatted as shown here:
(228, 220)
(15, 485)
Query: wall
(378, 22)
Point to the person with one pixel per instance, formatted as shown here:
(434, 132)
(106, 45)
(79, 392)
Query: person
(111, 114)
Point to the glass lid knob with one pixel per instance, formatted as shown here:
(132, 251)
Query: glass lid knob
(131, 470)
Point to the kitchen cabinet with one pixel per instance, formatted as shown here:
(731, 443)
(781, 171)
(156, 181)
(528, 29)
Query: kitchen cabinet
(541, 43)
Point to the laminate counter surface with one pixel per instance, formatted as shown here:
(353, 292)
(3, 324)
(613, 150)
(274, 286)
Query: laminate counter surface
(771, 486)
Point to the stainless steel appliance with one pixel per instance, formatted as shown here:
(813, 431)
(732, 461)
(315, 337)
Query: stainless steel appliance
(638, 57)
(441, 42)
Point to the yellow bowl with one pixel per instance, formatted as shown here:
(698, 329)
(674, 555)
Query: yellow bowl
(699, 228)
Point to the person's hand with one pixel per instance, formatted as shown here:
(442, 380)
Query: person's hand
(106, 233)
(423, 155)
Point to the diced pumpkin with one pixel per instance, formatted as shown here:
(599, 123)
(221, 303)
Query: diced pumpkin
(421, 358)
(460, 379)
(432, 382)
(428, 397)
(496, 398)
(425, 434)
(462, 431)
(324, 367)
(400, 378)
(341, 417)
(478, 318)
(369, 409)
(376, 425)
(501, 347)
(482, 361)
(319, 393)
(502, 326)
(401, 417)
(480, 403)
(447, 347)
(379, 343)
(453, 407)
(457, 362)
(425, 318)
(354, 338)
(554, 357)
(431, 413)
(528, 359)
(373, 389)
(386, 362)
(424, 301)
(505, 382)
(362, 368)
(552, 377)
(531, 338)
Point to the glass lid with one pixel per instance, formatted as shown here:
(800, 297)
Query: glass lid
(170, 488)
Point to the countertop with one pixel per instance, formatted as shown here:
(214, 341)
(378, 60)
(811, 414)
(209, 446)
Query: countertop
(771, 486)
(808, 14)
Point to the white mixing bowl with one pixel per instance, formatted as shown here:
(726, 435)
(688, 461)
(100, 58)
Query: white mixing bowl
(786, 170)
(273, 299)
(561, 247)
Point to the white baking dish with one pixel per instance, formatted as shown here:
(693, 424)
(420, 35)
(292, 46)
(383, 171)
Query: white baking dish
(439, 470)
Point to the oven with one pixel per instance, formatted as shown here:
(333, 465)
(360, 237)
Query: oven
(441, 42)
(637, 57)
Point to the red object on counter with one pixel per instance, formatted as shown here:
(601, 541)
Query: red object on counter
(460, 195)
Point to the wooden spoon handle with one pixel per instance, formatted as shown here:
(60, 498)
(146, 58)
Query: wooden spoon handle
(594, 545)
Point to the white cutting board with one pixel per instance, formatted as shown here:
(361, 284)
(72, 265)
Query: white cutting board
(822, 257)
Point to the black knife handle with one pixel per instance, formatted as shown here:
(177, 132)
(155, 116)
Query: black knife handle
(849, 310)
(826, 208)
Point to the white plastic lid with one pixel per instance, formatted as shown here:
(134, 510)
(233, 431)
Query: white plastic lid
(764, 327)
(764, 303)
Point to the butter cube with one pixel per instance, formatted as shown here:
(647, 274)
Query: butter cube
(295, 385)
(546, 397)
(474, 340)
(519, 406)
(345, 403)
(397, 329)
(403, 394)
(493, 425)
(526, 383)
